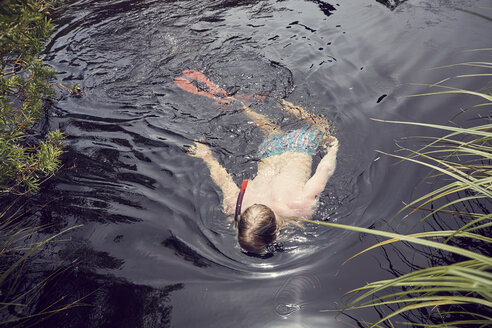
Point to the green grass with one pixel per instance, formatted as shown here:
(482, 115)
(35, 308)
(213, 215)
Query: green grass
(459, 293)
(24, 88)
(27, 157)
(20, 241)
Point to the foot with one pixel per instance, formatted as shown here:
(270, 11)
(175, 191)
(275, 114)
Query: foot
(199, 150)
(318, 121)
(197, 83)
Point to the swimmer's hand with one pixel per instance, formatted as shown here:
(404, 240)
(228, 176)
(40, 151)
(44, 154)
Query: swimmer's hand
(219, 175)
(200, 150)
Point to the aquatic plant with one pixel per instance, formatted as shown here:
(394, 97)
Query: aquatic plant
(20, 240)
(26, 155)
(454, 290)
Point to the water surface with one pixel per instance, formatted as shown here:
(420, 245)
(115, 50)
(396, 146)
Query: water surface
(155, 249)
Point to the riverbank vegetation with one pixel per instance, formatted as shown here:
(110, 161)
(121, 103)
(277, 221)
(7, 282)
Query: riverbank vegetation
(455, 287)
(28, 154)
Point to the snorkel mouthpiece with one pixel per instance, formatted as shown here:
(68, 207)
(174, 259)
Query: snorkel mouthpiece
(240, 201)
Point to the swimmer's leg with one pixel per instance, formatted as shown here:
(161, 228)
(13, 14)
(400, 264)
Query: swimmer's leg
(196, 82)
(211, 90)
(318, 121)
(263, 122)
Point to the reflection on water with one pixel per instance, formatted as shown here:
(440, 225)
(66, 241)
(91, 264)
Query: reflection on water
(154, 238)
(105, 301)
(401, 258)
(184, 251)
(391, 4)
(289, 297)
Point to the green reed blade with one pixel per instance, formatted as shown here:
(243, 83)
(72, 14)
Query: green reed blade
(468, 182)
(448, 248)
(31, 251)
(442, 272)
(466, 131)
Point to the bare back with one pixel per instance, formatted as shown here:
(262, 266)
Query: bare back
(280, 184)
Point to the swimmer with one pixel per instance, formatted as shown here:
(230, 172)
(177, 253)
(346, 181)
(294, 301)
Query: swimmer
(283, 187)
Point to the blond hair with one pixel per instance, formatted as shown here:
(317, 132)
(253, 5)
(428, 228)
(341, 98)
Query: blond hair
(257, 227)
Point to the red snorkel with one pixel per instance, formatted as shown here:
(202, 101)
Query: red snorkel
(240, 200)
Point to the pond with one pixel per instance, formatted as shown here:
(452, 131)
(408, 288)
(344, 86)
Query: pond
(155, 250)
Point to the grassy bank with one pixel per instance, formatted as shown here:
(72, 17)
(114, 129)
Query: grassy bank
(28, 156)
(456, 288)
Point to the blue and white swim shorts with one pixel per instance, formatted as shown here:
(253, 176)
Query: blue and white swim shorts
(304, 140)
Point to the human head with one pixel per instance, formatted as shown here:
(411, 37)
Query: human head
(257, 227)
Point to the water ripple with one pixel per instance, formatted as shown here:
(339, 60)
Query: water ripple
(154, 210)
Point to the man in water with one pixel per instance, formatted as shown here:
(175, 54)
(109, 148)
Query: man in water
(283, 187)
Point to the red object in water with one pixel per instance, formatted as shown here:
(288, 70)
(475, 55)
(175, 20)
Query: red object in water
(239, 201)
(243, 186)
(210, 89)
(196, 82)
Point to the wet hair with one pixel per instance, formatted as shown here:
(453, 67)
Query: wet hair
(257, 227)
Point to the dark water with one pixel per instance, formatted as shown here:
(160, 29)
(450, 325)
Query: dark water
(155, 249)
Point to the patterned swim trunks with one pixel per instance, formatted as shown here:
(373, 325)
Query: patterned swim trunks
(305, 140)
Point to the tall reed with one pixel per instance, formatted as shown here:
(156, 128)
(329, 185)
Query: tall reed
(21, 240)
(457, 293)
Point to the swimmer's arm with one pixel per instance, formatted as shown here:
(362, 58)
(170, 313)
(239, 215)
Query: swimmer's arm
(219, 175)
(315, 185)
